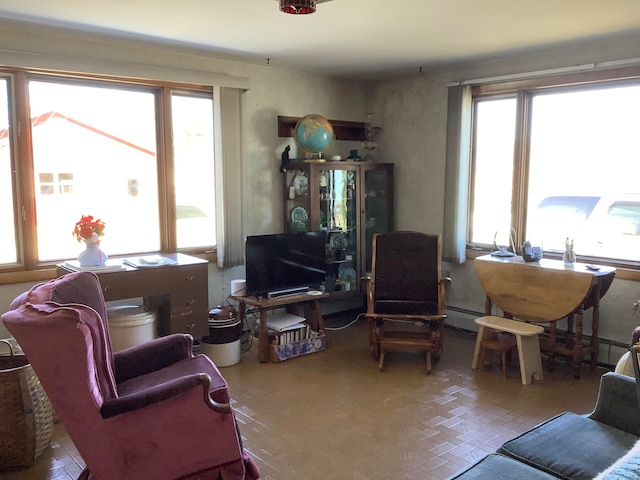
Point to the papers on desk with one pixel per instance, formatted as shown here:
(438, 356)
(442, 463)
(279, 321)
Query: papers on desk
(109, 266)
(149, 261)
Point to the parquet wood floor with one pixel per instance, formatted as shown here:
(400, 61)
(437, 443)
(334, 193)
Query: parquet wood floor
(333, 416)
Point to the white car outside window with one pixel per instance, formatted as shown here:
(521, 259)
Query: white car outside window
(601, 226)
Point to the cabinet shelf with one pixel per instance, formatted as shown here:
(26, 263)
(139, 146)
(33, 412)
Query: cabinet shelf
(339, 230)
(335, 262)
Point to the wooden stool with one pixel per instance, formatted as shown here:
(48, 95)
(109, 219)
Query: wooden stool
(526, 339)
(501, 342)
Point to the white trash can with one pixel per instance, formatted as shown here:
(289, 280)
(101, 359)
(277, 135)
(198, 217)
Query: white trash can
(222, 345)
(130, 325)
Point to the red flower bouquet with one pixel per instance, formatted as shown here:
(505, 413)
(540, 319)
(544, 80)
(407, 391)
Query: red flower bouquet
(87, 226)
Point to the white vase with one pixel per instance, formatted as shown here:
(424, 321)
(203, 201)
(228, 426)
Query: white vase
(92, 256)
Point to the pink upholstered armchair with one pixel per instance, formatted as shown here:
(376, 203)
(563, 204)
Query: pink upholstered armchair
(153, 411)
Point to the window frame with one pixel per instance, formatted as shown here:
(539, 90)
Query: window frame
(24, 184)
(523, 92)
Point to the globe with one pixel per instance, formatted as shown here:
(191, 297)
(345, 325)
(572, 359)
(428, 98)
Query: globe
(314, 135)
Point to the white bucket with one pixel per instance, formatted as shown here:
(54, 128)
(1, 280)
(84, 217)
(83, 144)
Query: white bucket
(130, 325)
(222, 354)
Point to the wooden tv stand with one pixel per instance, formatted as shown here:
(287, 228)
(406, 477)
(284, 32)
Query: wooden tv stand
(312, 314)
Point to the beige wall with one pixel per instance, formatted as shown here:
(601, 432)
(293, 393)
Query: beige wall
(411, 110)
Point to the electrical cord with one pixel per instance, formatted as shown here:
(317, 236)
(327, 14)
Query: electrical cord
(335, 329)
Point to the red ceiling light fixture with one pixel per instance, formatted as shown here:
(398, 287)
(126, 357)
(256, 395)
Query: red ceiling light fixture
(299, 7)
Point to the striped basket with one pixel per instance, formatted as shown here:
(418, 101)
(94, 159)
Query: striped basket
(26, 417)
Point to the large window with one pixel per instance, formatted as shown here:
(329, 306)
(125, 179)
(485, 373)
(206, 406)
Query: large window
(558, 162)
(8, 244)
(193, 151)
(137, 156)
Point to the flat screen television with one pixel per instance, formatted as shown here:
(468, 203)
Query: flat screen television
(284, 263)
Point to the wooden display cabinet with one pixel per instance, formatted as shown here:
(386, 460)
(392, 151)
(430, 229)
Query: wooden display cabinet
(351, 201)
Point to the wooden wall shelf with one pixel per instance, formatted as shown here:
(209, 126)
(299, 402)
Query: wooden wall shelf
(344, 130)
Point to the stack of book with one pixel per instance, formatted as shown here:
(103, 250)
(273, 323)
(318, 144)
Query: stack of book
(149, 261)
(294, 335)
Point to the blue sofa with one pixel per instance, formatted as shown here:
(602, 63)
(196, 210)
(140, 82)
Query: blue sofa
(604, 444)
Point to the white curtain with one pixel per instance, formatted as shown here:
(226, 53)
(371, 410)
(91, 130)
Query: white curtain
(228, 171)
(457, 175)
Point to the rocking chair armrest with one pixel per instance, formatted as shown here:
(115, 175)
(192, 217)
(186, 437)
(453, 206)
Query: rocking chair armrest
(151, 356)
(159, 393)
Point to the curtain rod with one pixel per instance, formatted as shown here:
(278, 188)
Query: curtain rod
(549, 71)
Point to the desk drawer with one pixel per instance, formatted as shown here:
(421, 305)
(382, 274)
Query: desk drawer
(189, 300)
(189, 277)
(153, 281)
(194, 321)
(189, 312)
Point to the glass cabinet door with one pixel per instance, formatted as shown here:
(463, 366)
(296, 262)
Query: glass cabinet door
(338, 216)
(351, 201)
(297, 205)
(378, 208)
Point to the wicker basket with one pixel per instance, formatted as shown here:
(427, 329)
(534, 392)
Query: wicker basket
(26, 418)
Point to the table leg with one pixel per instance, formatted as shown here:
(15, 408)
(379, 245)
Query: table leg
(577, 345)
(263, 337)
(313, 316)
(553, 338)
(568, 338)
(595, 325)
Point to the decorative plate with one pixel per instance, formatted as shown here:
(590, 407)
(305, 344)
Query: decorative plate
(299, 214)
(298, 226)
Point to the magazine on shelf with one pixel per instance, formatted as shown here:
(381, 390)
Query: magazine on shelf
(285, 321)
(149, 261)
(109, 266)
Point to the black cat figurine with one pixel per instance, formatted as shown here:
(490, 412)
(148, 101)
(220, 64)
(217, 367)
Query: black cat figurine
(284, 159)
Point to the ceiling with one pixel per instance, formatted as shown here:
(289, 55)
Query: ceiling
(344, 37)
